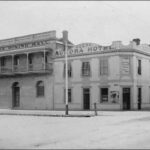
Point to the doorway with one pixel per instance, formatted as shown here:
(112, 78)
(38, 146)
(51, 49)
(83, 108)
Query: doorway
(139, 98)
(15, 95)
(86, 98)
(126, 98)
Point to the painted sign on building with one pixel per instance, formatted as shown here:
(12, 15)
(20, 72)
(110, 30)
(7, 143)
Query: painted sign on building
(83, 48)
(114, 96)
(33, 40)
(25, 45)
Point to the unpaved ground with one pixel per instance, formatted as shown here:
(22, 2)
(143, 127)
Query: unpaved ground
(108, 130)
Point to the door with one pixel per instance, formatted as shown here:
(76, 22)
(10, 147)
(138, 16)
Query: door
(126, 98)
(86, 98)
(16, 95)
(139, 98)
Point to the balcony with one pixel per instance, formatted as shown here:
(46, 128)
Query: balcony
(19, 68)
(48, 67)
(30, 69)
(38, 62)
(6, 71)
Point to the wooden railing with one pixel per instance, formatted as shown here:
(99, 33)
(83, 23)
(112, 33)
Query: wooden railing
(19, 68)
(40, 68)
(6, 70)
(49, 66)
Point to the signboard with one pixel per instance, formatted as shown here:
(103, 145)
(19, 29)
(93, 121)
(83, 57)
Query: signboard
(27, 41)
(83, 48)
(114, 95)
(125, 65)
(25, 45)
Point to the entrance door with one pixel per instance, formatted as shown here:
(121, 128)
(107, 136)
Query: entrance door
(16, 94)
(86, 98)
(139, 98)
(126, 98)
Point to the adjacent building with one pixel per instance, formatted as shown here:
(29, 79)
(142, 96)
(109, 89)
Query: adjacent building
(32, 74)
(27, 71)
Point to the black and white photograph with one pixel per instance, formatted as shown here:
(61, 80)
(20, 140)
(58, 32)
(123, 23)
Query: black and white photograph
(74, 74)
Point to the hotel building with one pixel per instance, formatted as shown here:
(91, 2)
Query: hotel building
(32, 74)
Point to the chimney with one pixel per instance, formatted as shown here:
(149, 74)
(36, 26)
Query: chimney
(65, 36)
(137, 41)
(116, 44)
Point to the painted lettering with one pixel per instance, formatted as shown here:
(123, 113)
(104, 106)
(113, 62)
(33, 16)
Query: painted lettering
(95, 48)
(81, 50)
(89, 49)
(76, 51)
(71, 51)
(99, 48)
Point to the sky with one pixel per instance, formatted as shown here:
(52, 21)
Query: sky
(98, 22)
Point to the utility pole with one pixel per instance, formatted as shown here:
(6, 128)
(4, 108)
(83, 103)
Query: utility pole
(65, 39)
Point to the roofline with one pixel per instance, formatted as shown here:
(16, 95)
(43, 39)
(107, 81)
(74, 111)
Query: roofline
(6, 53)
(26, 35)
(32, 37)
(108, 51)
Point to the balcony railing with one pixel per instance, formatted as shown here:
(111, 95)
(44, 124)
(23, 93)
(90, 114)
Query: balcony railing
(32, 68)
(40, 67)
(5, 70)
(49, 66)
(19, 68)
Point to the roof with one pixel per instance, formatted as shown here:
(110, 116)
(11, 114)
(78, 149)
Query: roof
(28, 38)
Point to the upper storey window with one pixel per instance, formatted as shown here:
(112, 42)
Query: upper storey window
(16, 60)
(85, 68)
(3, 61)
(125, 65)
(103, 66)
(139, 69)
(30, 59)
(69, 70)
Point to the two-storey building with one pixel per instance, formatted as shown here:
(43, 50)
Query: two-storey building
(27, 71)
(116, 77)
(32, 74)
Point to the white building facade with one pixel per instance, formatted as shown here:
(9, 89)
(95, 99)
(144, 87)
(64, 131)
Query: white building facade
(115, 77)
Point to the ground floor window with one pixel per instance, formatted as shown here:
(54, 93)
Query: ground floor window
(40, 88)
(104, 95)
(69, 95)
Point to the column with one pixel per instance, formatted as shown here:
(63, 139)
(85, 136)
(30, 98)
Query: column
(44, 61)
(0, 65)
(12, 67)
(27, 62)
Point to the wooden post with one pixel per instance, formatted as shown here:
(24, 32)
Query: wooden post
(95, 109)
(0, 65)
(27, 63)
(12, 67)
(44, 61)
